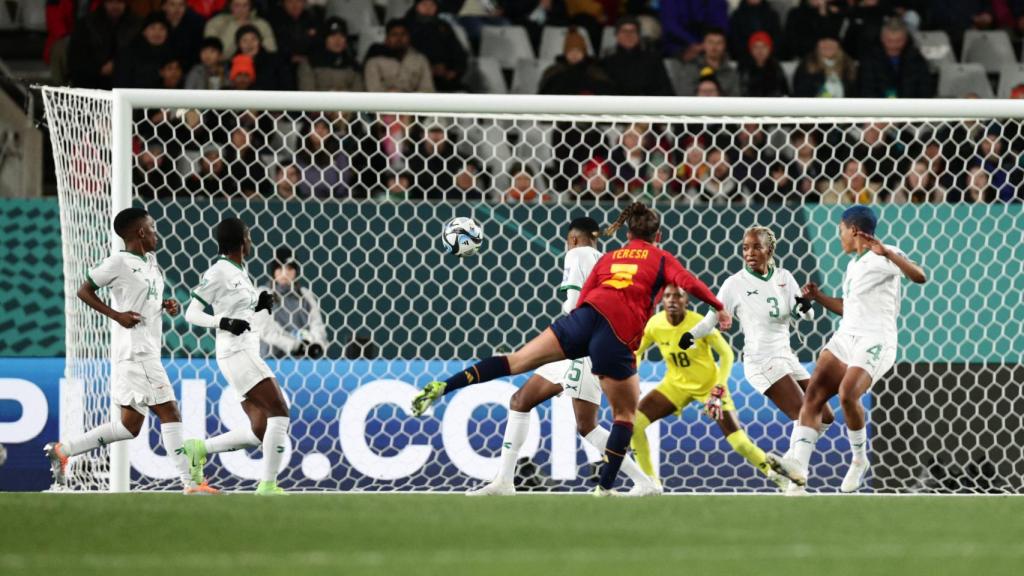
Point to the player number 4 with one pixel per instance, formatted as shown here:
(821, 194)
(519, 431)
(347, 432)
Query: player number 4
(875, 351)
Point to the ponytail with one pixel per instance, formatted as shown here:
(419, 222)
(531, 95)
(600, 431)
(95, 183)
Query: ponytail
(643, 222)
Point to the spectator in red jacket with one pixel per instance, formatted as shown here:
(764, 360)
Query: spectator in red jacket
(207, 8)
(60, 21)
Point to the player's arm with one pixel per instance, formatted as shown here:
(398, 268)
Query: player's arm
(104, 275)
(912, 270)
(196, 311)
(813, 293)
(682, 277)
(800, 306)
(705, 326)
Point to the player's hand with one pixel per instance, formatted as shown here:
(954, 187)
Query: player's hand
(713, 406)
(171, 306)
(803, 304)
(724, 320)
(128, 319)
(235, 326)
(811, 291)
(308, 349)
(873, 244)
(686, 341)
(266, 301)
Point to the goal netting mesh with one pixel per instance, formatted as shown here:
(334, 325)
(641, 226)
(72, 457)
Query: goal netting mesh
(357, 200)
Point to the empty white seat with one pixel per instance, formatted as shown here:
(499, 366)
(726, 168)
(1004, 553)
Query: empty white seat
(509, 44)
(789, 70)
(358, 14)
(485, 76)
(1010, 76)
(990, 48)
(676, 75)
(526, 78)
(608, 41)
(398, 8)
(959, 80)
(368, 37)
(552, 42)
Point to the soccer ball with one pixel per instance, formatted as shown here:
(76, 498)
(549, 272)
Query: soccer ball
(462, 237)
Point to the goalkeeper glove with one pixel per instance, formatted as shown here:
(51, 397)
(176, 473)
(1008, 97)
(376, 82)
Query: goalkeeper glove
(713, 406)
(686, 341)
(309, 349)
(266, 301)
(804, 304)
(236, 327)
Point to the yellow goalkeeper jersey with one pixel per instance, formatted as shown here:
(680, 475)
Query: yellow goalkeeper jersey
(692, 369)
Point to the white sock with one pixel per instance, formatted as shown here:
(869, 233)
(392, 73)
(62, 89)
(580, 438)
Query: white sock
(823, 429)
(802, 445)
(516, 428)
(858, 443)
(171, 433)
(233, 440)
(102, 435)
(274, 446)
(598, 438)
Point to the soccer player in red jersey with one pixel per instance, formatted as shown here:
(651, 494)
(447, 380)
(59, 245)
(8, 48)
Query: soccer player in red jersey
(617, 299)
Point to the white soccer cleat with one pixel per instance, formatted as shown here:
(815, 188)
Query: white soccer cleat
(779, 480)
(602, 493)
(494, 488)
(645, 488)
(787, 467)
(854, 476)
(795, 490)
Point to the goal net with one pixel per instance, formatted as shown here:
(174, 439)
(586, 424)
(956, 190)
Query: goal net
(353, 191)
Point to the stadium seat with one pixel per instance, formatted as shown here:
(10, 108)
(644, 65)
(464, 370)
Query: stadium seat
(935, 47)
(1009, 76)
(526, 79)
(552, 42)
(608, 42)
(33, 15)
(509, 44)
(8, 21)
(990, 48)
(484, 76)
(460, 33)
(358, 14)
(958, 80)
(789, 70)
(398, 8)
(782, 8)
(676, 73)
(368, 37)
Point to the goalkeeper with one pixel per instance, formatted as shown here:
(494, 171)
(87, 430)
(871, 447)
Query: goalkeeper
(693, 376)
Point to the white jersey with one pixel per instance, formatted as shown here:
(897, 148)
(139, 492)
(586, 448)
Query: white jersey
(764, 305)
(230, 291)
(578, 264)
(136, 285)
(871, 296)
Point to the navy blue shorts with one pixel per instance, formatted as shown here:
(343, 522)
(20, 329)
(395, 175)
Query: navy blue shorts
(585, 332)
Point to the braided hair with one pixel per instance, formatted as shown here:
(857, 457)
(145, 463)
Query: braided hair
(767, 237)
(643, 223)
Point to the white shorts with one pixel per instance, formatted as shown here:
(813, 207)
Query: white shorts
(874, 354)
(139, 385)
(575, 377)
(763, 372)
(244, 370)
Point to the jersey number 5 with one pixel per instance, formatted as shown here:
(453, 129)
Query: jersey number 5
(622, 275)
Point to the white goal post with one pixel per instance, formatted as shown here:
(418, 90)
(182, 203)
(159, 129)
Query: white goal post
(356, 186)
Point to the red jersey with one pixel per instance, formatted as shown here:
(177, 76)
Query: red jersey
(625, 284)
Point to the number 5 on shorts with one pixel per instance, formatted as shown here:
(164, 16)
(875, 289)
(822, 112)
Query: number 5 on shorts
(575, 371)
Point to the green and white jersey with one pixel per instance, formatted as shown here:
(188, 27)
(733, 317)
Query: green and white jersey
(136, 284)
(871, 296)
(578, 264)
(764, 306)
(229, 290)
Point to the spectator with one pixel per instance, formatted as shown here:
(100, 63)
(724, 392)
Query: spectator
(851, 187)
(395, 66)
(593, 184)
(470, 184)
(210, 73)
(956, 17)
(207, 8)
(138, 65)
(97, 40)
(60, 22)
(865, 19)
(435, 39)
(244, 166)
(211, 174)
(708, 86)
(685, 22)
(296, 326)
(272, 72)
(323, 163)
(826, 73)
(524, 187)
(974, 188)
(762, 74)
(750, 17)
(1017, 92)
(778, 187)
(143, 8)
(153, 175)
(991, 156)
(804, 167)
(184, 31)
(473, 15)
(662, 185)
(811, 20)
(895, 69)
(714, 57)
(631, 161)
(751, 157)
(575, 73)
(534, 15)
(332, 66)
(435, 163)
(225, 26)
(296, 30)
(919, 186)
(171, 74)
(286, 181)
(397, 188)
(243, 72)
(632, 69)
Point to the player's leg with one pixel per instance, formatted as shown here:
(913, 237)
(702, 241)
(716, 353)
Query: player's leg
(823, 386)
(827, 416)
(536, 390)
(654, 406)
(267, 396)
(854, 385)
(197, 451)
(587, 426)
(124, 428)
(623, 395)
(778, 469)
(171, 432)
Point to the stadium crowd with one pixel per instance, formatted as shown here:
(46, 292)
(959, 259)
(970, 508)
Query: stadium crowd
(833, 48)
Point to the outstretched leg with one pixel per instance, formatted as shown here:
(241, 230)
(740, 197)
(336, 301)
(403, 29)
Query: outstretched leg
(653, 407)
(623, 395)
(125, 428)
(824, 385)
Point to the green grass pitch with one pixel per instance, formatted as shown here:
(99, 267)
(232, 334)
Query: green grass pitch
(450, 535)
